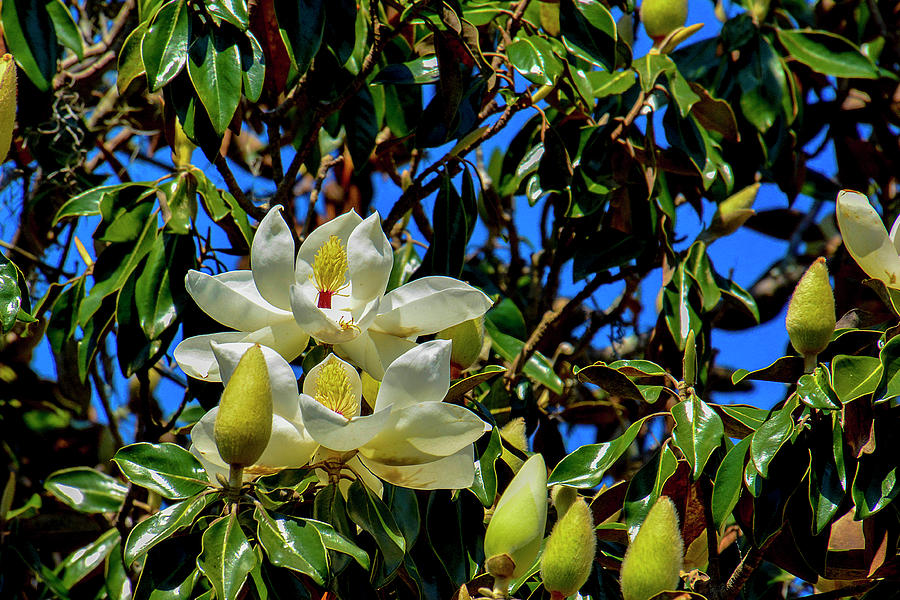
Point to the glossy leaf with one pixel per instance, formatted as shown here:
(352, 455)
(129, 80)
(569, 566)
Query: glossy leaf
(333, 540)
(303, 24)
(130, 63)
(293, 544)
(853, 377)
(485, 485)
(373, 516)
(771, 436)
(589, 31)
(66, 28)
(253, 68)
(814, 390)
(162, 525)
(86, 490)
(786, 369)
(698, 432)
(215, 70)
(537, 367)
(235, 12)
(31, 39)
(534, 59)
(88, 203)
(167, 469)
(729, 481)
(159, 291)
(164, 48)
(227, 557)
(420, 70)
(586, 466)
(81, 562)
(10, 294)
(610, 380)
(827, 53)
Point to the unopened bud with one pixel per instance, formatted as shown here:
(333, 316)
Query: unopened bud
(662, 17)
(810, 317)
(569, 552)
(562, 497)
(244, 421)
(655, 557)
(7, 103)
(689, 362)
(517, 526)
(467, 338)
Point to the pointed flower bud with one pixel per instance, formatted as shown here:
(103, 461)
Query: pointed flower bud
(810, 317)
(654, 558)
(562, 497)
(7, 102)
(244, 422)
(513, 537)
(662, 17)
(467, 338)
(569, 552)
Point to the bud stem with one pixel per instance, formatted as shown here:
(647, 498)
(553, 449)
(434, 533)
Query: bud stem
(235, 481)
(810, 362)
(501, 587)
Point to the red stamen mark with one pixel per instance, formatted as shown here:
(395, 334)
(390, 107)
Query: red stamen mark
(324, 300)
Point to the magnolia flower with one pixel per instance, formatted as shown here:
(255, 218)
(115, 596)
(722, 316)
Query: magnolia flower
(412, 439)
(866, 239)
(290, 445)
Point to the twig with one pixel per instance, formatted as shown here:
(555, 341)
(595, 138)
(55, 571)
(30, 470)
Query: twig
(257, 212)
(100, 47)
(184, 401)
(113, 422)
(118, 167)
(321, 174)
(851, 590)
(274, 130)
(742, 573)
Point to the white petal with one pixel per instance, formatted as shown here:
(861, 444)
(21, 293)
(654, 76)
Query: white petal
(866, 238)
(196, 358)
(334, 431)
(272, 259)
(214, 469)
(373, 351)
(285, 337)
(324, 324)
(421, 432)
(285, 399)
(895, 238)
(370, 259)
(365, 475)
(452, 472)
(203, 436)
(341, 227)
(231, 298)
(312, 379)
(429, 305)
(422, 374)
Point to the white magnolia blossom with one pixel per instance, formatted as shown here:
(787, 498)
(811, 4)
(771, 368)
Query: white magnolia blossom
(866, 239)
(290, 446)
(412, 439)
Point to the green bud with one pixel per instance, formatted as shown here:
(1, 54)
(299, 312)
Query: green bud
(655, 557)
(662, 17)
(569, 552)
(244, 421)
(810, 317)
(562, 497)
(467, 338)
(513, 537)
(689, 362)
(7, 102)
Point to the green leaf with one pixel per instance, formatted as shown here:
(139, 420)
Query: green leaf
(533, 57)
(235, 12)
(586, 466)
(649, 68)
(164, 48)
(772, 435)
(786, 369)
(117, 580)
(485, 485)
(31, 39)
(681, 317)
(67, 32)
(292, 543)
(538, 367)
(827, 53)
(827, 480)
(814, 390)
(606, 84)
(729, 481)
(698, 432)
(699, 267)
(159, 290)
(88, 202)
(10, 294)
(303, 25)
(162, 525)
(87, 558)
(610, 380)
(215, 71)
(361, 126)
(87, 490)
(418, 71)
(130, 63)
(446, 253)
(589, 31)
(853, 377)
(169, 572)
(369, 512)
(167, 469)
(507, 318)
(227, 557)
(335, 541)
(253, 68)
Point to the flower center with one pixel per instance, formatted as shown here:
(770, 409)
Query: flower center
(330, 270)
(334, 391)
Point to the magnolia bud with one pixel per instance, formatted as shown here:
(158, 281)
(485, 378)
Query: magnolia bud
(244, 421)
(7, 103)
(655, 557)
(513, 537)
(562, 497)
(662, 17)
(569, 552)
(810, 317)
(467, 338)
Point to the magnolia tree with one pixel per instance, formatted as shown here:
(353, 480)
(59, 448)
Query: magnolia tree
(300, 299)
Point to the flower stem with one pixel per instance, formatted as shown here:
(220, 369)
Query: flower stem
(235, 481)
(501, 587)
(810, 362)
